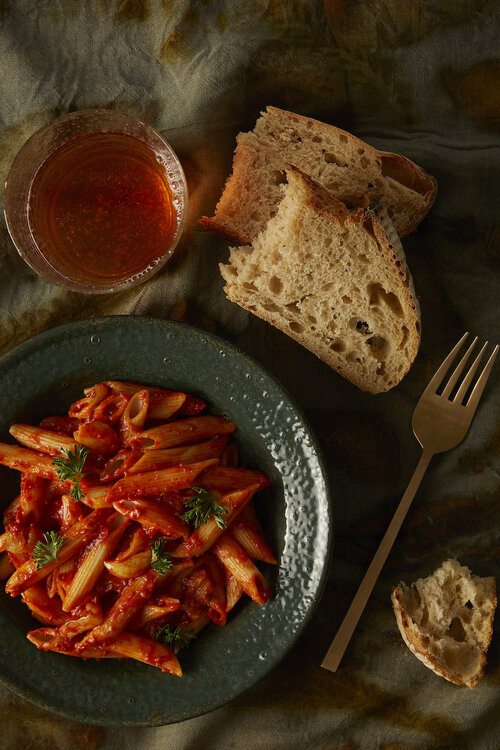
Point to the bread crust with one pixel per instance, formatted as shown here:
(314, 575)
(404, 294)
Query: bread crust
(420, 649)
(398, 168)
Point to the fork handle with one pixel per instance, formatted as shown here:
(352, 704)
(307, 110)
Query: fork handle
(344, 633)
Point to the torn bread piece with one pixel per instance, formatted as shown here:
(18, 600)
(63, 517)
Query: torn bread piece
(446, 620)
(354, 172)
(329, 278)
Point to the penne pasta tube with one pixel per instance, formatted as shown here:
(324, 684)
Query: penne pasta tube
(134, 416)
(146, 650)
(31, 499)
(229, 456)
(23, 459)
(92, 564)
(152, 612)
(41, 440)
(182, 455)
(234, 592)
(77, 537)
(99, 437)
(111, 408)
(95, 496)
(158, 482)
(226, 478)
(184, 432)
(126, 607)
(164, 405)
(200, 540)
(153, 515)
(46, 609)
(132, 567)
(84, 408)
(252, 540)
(10, 512)
(45, 639)
(119, 465)
(235, 559)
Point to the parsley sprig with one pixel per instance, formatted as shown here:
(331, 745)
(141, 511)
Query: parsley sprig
(71, 468)
(160, 560)
(179, 638)
(202, 507)
(46, 553)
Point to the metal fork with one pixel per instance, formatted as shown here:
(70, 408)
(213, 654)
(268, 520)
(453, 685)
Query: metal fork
(440, 422)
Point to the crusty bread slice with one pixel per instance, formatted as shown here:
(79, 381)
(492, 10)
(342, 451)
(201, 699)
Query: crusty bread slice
(330, 279)
(350, 169)
(447, 621)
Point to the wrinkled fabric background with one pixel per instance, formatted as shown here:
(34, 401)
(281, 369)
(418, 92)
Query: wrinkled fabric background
(418, 78)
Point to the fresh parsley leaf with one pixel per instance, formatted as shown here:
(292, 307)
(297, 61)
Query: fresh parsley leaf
(46, 553)
(202, 507)
(71, 468)
(176, 637)
(160, 560)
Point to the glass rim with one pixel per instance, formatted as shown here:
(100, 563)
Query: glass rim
(30, 158)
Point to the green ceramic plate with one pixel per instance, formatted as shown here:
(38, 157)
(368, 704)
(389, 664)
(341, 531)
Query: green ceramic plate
(43, 376)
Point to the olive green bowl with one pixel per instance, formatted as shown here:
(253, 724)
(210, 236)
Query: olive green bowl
(44, 376)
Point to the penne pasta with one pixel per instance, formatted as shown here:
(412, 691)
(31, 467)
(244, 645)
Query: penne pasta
(42, 440)
(158, 482)
(146, 650)
(140, 534)
(225, 479)
(184, 432)
(206, 535)
(126, 607)
(180, 456)
(153, 515)
(233, 556)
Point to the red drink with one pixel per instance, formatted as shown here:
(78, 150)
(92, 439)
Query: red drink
(101, 209)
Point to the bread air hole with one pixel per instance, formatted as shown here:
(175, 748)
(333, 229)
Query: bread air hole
(337, 345)
(405, 332)
(378, 295)
(347, 300)
(363, 258)
(392, 167)
(456, 630)
(361, 326)
(293, 307)
(275, 285)
(270, 307)
(331, 158)
(278, 177)
(296, 327)
(364, 162)
(379, 347)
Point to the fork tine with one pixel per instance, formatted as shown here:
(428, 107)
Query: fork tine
(435, 382)
(458, 369)
(460, 394)
(481, 382)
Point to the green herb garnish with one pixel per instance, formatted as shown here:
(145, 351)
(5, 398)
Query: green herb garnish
(177, 637)
(201, 507)
(71, 468)
(160, 560)
(46, 553)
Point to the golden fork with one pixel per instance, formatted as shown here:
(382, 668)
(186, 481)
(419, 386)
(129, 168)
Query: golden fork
(439, 423)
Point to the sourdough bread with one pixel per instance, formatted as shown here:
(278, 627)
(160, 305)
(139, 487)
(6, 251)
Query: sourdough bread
(329, 278)
(446, 620)
(354, 172)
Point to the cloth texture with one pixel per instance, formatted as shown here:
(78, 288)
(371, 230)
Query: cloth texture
(418, 78)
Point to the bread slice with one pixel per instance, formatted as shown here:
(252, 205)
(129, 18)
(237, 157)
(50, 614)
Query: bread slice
(350, 169)
(447, 621)
(330, 279)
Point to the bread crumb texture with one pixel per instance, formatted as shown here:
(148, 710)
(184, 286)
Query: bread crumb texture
(329, 278)
(446, 620)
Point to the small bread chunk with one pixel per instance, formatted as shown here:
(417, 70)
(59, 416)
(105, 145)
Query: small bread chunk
(354, 172)
(329, 278)
(447, 621)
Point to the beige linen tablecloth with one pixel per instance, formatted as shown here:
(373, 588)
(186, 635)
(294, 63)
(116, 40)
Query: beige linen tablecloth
(419, 78)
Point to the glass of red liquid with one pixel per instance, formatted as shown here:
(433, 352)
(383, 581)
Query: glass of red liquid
(96, 201)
